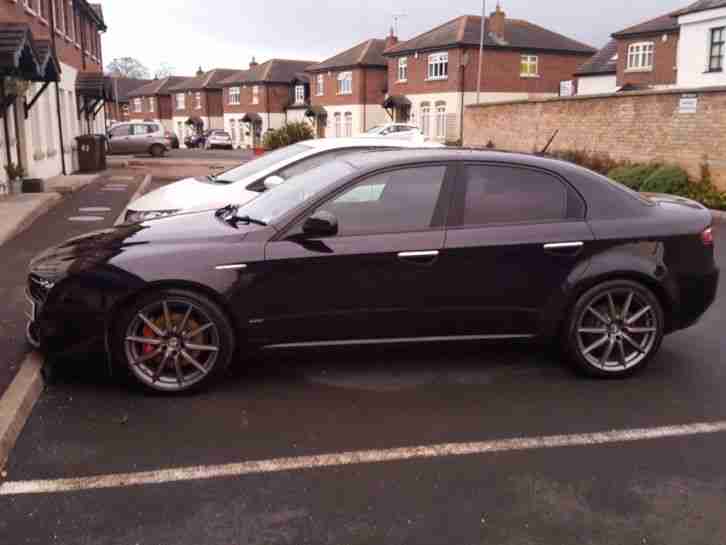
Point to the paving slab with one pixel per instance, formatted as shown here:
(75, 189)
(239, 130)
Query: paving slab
(18, 212)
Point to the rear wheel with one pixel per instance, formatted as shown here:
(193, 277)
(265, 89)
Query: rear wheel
(157, 150)
(173, 341)
(614, 329)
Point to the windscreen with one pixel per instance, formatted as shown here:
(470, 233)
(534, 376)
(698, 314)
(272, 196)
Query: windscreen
(261, 163)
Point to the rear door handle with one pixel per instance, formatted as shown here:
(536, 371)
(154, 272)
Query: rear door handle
(564, 248)
(422, 257)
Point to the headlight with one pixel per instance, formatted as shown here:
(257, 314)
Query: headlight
(134, 216)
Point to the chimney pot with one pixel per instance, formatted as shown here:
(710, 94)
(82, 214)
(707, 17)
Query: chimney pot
(253, 63)
(497, 21)
(391, 39)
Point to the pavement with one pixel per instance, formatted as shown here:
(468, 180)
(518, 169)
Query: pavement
(182, 163)
(448, 443)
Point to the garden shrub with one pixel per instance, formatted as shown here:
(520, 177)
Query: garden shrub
(633, 176)
(667, 179)
(289, 133)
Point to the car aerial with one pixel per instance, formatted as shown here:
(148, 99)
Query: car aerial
(405, 131)
(218, 139)
(245, 182)
(388, 247)
(138, 137)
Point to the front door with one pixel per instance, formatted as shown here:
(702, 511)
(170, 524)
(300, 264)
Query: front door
(515, 238)
(118, 141)
(379, 277)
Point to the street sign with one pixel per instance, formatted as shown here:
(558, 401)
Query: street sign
(688, 104)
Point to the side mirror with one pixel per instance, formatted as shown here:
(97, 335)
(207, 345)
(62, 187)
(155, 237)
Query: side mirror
(273, 181)
(321, 224)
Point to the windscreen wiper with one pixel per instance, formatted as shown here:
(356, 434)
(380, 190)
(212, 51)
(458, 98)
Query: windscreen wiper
(248, 219)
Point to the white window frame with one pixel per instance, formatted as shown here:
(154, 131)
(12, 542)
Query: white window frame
(234, 96)
(712, 44)
(255, 94)
(641, 57)
(529, 66)
(180, 104)
(440, 120)
(28, 5)
(138, 107)
(426, 118)
(198, 100)
(338, 124)
(320, 91)
(299, 94)
(345, 83)
(348, 124)
(438, 66)
(152, 106)
(71, 28)
(402, 72)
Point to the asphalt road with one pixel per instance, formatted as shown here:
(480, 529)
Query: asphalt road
(304, 403)
(49, 230)
(241, 154)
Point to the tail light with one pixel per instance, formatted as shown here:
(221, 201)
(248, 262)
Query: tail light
(707, 237)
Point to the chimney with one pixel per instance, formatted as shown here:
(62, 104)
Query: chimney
(200, 72)
(496, 22)
(391, 40)
(253, 63)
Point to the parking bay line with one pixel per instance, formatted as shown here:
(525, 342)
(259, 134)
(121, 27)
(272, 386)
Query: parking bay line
(276, 465)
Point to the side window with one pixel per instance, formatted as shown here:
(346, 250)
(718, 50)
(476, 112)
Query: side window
(392, 202)
(489, 194)
(152, 129)
(123, 130)
(138, 130)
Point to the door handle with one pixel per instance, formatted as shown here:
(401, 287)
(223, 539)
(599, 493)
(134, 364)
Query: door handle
(564, 248)
(422, 257)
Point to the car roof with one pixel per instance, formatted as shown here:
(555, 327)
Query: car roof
(333, 143)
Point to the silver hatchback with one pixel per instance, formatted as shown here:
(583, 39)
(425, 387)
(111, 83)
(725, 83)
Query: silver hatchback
(138, 137)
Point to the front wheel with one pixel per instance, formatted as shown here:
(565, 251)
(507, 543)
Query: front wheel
(614, 329)
(157, 150)
(173, 341)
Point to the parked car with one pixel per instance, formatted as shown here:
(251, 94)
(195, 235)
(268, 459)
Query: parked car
(403, 131)
(218, 139)
(248, 180)
(138, 137)
(195, 140)
(399, 246)
(173, 140)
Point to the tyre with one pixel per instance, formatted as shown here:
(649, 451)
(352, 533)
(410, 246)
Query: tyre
(614, 329)
(157, 150)
(172, 341)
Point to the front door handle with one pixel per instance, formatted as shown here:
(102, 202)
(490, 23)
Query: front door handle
(423, 258)
(564, 248)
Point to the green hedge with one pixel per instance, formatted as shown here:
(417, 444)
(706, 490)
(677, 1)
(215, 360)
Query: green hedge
(288, 134)
(633, 176)
(667, 179)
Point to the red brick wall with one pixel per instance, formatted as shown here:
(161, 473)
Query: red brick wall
(68, 47)
(664, 62)
(500, 73)
(211, 104)
(277, 96)
(119, 114)
(640, 126)
(368, 87)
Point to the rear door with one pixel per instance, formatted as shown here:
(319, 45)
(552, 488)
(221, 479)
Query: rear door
(118, 141)
(516, 236)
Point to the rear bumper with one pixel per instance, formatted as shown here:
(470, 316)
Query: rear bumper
(697, 294)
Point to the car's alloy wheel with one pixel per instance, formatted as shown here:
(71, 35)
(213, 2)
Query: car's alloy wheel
(174, 341)
(615, 329)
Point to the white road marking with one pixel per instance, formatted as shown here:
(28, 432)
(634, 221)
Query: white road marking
(96, 209)
(86, 218)
(276, 465)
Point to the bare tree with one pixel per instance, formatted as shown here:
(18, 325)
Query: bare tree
(127, 67)
(164, 70)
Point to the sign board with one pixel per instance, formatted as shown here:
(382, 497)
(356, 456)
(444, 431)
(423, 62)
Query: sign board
(688, 104)
(567, 89)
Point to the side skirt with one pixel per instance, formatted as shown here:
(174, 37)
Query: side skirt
(399, 340)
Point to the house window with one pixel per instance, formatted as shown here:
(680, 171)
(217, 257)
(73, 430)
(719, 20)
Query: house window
(345, 83)
(441, 120)
(137, 105)
(71, 22)
(438, 66)
(716, 53)
(425, 118)
(234, 95)
(180, 101)
(529, 66)
(299, 94)
(255, 94)
(348, 127)
(151, 104)
(640, 56)
(197, 101)
(321, 85)
(403, 69)
(338, 127)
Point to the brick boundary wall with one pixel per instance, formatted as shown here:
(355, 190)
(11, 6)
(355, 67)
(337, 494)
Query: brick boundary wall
(639, 126)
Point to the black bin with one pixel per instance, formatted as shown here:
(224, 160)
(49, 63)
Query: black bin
(91, 152)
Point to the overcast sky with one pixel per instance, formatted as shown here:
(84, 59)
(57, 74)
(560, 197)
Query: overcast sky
(227, 33)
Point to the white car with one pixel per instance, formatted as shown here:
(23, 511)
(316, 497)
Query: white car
(218, 139)
(245, 182)
(402, 131)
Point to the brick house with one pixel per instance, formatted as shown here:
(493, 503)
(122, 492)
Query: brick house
(117, 106)
(264, 97)
(56, 46)
(154, 101)
(348, 89)
(199, 100)
(599, 74)
(702, 44)
(433, 76)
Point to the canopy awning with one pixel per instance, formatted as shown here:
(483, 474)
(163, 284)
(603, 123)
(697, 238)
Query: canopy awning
(49, 65)
(396, 101)
(316, 111)
(19, 56)
(251, 117)
(93, 85)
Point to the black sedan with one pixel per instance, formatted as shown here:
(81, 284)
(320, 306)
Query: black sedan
(397, 246)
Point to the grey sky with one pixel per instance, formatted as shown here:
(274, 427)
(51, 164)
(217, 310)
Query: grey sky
(226, 33)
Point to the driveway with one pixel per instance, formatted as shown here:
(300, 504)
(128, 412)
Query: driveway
(461, 443)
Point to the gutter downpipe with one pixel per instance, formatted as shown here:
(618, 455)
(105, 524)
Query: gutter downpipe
(57, 93)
